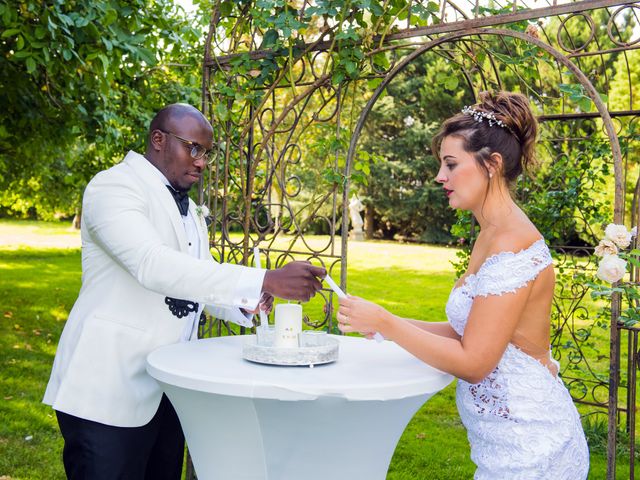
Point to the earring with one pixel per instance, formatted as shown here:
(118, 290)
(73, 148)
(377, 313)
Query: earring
(491, 175)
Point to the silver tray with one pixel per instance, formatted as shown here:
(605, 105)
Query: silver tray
(314, 350)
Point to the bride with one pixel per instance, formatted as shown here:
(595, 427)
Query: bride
(520, 418)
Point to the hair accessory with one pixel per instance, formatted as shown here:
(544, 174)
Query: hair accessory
(478, 115)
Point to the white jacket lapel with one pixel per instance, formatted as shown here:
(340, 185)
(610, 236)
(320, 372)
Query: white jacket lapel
(165, 201)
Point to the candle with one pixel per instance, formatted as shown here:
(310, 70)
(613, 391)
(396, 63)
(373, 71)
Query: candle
(288, 325)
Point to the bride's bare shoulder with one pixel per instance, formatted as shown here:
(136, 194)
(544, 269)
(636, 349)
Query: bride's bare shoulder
(514, 239)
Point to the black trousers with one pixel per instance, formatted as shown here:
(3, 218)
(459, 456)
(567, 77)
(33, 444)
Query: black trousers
(94, 451)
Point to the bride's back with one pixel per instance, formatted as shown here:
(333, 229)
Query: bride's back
(532, 333)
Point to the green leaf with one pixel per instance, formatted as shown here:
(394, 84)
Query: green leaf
(225, 9)
(110, 16)
(337, 77)
(376, 8)
(147, 56)
(433, 7)
(270, 38)
(351, 68)
(373, 83)
(222, 111)
(10, 32)
(571, 89)
(41, 32)
(451, 83)
(105, 61)
(585, 104)
(331, 176)
(82, 22)
(66, 19)
(31, 65)
(349, 34)
(380, 61)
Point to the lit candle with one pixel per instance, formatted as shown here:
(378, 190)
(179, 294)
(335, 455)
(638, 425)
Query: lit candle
(288, 325)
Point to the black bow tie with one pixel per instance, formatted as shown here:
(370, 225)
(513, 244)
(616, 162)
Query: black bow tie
(181, 198)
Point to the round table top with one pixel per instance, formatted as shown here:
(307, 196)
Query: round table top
(365, 370)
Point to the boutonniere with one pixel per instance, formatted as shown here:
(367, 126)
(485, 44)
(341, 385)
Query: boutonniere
(202, 211)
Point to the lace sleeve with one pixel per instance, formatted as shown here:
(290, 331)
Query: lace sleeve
(506, 272)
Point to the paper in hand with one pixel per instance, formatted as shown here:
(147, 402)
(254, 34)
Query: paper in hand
(334, 286)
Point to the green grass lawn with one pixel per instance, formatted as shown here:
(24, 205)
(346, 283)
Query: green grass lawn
(38, 285)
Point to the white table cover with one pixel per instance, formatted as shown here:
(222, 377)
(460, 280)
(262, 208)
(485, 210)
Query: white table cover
(244, 420)
(365, 370)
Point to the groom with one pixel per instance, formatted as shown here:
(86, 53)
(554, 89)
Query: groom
(147, 274)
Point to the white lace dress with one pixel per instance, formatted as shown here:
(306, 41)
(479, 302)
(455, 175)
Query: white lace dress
(521, 420)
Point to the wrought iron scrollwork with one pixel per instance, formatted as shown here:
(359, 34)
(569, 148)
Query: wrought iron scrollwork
(262, 192)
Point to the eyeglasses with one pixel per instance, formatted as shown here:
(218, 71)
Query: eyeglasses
(197, 150)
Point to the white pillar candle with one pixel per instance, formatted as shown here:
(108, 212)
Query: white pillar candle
(288, 322)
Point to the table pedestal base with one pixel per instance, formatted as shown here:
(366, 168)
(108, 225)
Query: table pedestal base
(329, 438)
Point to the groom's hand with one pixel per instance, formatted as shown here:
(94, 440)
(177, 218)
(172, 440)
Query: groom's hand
(265, 304)
(295, 281)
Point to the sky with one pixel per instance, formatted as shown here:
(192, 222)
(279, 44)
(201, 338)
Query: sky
(186, 4)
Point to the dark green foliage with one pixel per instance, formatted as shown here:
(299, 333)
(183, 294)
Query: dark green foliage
(402, 189)
(565, 199)
(79, 82)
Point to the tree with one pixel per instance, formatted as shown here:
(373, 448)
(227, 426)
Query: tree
(401, 190)
(79, 81)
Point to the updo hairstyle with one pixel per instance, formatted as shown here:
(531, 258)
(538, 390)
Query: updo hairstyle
(515, 141)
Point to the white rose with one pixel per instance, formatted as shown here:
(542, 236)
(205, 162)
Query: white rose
(611, 269)
(618, 234)
(606, 247)
(634, 231)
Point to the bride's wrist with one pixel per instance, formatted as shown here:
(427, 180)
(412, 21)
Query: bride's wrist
(387, 323)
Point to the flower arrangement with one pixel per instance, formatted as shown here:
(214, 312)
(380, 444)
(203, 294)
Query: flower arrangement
(612, 268)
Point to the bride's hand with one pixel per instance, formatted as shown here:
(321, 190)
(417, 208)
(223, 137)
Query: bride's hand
(356, 314)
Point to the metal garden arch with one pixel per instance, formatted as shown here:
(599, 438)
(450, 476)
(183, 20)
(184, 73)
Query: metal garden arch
(258, 188)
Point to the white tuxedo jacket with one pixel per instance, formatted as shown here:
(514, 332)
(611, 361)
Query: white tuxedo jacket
(134, 254)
